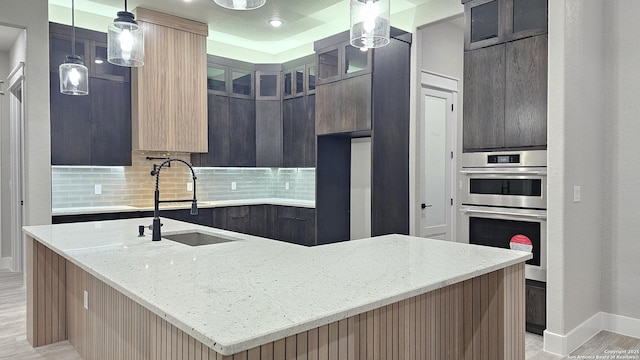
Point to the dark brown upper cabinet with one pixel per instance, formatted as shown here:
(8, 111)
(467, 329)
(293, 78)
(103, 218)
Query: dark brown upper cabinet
(94, 129)
(491, 22)
(505, 96)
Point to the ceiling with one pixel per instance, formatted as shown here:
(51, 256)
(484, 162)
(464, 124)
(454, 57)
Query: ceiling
(7, 37)
(304, 20)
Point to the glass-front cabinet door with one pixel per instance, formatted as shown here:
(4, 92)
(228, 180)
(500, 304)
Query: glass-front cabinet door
(356, 61)
(217, 79)
(104, 69)
(268, 85)
(298, 79)
(486, 23)
(60, 47)
(287, 84)
(526, 18)
(329, 68)
(311, 78)
(241, 83)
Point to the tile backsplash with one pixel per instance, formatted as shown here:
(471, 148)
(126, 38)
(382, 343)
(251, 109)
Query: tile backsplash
(75, 186)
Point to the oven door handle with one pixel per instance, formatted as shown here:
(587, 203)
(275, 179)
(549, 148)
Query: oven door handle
(488, 212)
(485, 172)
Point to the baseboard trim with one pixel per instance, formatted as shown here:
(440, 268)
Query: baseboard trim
(622, 325)
(6, 263)
(566, 344)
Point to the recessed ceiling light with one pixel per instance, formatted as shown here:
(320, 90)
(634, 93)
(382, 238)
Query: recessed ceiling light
(275, 22)
(99, 61)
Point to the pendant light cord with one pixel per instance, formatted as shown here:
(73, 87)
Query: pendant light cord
(73, 28)
(125, 5)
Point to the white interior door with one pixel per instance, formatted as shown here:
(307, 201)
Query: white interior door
(438, 119)
(16, 87)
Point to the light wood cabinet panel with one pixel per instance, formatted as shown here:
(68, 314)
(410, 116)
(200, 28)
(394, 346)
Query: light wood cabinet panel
(169, 93)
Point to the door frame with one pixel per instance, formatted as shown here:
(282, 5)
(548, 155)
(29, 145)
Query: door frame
(439, 82)
(16, 80)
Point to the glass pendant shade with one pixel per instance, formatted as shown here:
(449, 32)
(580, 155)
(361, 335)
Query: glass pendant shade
(370, 23)
(74, 76)
(240, 4)
(125, 41)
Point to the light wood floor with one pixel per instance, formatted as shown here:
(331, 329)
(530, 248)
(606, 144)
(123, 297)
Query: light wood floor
(13, 313)
(14, 344)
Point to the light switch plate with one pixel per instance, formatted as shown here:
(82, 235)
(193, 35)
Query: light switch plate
(86, 300)
(576, 194)
(233, 185)
(189, 186)
(286, 185)
(98, 189)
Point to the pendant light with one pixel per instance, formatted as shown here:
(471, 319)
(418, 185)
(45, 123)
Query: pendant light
(240, 4)
(125, 41)
(370, 25)
(74, 77)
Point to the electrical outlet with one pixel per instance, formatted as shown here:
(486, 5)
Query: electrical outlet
(86, 300)
(189, 186)
(576, 194)
(233, 185)
(98, 189)
(286, 185)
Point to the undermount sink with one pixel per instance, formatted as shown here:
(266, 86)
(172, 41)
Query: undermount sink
(196, 239)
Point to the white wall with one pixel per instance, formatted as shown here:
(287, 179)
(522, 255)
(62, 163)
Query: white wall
(33, 16)
(5, 240)
(621, 238)
(360, 208)
(576, 148)
(428, 13)
(440, 49)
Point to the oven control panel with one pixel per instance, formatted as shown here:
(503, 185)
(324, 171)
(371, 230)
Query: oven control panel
(503, 159)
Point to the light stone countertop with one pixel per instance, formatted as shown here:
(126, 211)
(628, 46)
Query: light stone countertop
(201, 204)
(237, 295)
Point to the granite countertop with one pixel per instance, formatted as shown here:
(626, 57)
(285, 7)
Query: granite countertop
(201, 204)
(240, 294)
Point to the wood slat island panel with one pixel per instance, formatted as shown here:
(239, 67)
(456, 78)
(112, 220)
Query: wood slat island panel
(481, 318)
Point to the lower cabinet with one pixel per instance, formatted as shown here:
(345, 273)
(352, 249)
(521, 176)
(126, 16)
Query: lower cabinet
(204, 216)
(536, 306)
(285, 223)
(297, 225)
(65, 219)
(253, 220)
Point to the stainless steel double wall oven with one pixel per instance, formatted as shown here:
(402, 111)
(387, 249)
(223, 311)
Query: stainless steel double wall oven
(504, 204)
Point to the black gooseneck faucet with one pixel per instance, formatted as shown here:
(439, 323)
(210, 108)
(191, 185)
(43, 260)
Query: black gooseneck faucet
(156, 203)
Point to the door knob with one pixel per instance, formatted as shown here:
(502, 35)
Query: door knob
(424, 206)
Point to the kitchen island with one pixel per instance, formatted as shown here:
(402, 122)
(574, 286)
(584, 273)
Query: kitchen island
(115, 295)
